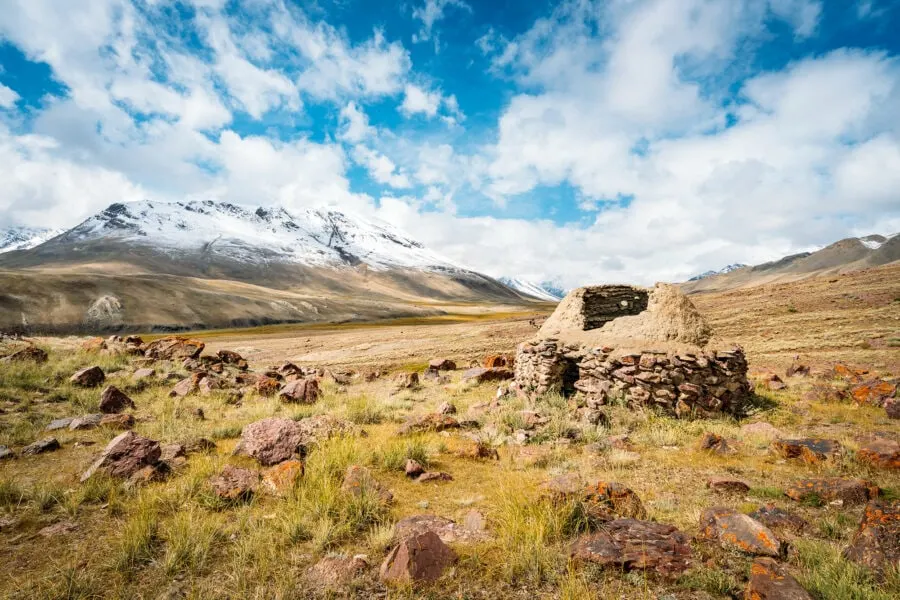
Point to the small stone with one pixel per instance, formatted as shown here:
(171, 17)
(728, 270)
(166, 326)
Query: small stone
(417, 558)
(88, 377)
(809, 450)
(727, 485)
(39, 447)
(234, 483)
(770, 580)
(738, 531)
(56, 424)
(434, 476)
(113, 400)
(120, 421)
(85, 422)
(413, 468)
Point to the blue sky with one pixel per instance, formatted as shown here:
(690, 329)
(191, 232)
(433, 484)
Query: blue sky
(582, 141)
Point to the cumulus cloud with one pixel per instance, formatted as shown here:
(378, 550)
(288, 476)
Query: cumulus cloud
(380, 167)
(430, 13)
(8, 97)
(421, 101)
(354, 124)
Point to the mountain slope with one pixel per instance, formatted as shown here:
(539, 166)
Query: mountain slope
(208, 264)
(23, 238)
(847, 255)
(543, 291)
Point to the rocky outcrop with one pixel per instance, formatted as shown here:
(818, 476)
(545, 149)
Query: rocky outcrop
(174, 348)
(628, 544)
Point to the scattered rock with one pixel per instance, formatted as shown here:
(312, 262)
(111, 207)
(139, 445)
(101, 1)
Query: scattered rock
(428, 422)
(143, 374)
(880, 452)
(61, 528)
(267, 386)
(496, 361)
(874, 392)
(85, 422)
(125, 455)
(776, 518)
(809, 450)
(174, 347)
(283, 478)
(270, 441)
(876, 544)
(761, 429)
(417, 558)
(359, 480)
(615, 498)
(484, 375)
(317, 429)
(39, 447)
(737, 530)
(301, 391)
(434, 476)
(892, 408)
(628, 544)
(797, 369)
(113, 400)
(119, 421)
(770, 580)
(848, 491)
(406, 381)
(442, 364)
(727, 485)
(88, 377)
(716, 444)
(337, 571)
(234, 483)
(446, 408)
(56, 424)
(28, 354)
(183, 388)
(6, 453)
(413, 468)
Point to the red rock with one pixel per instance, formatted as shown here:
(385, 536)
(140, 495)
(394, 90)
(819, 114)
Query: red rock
(88, 377)
(483, 375)
(28, 354)
(173, 348)
(876, 544)
(495, 361)
(234, 483)
(126, 454)
(880, 452)
(283, 478)
(301, 391)
(892, 408)
(776, 518)
(359, 481)
(442, 364)
(270, 441)
(737, 530)
(716, 444)
(874, 392)
(417, 558)
(727, 485)
(828, 489)
(113, 400)
(267, 386)
(772, 581)
(809, 450)
(844, 372)
(628, 544)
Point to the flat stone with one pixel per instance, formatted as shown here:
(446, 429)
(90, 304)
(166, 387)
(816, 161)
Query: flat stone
(828, 489)
(417, 558)
(809, 450)
(770, 580)
(56, 424)
(777, 518)
(727, 485)
(629, 544)
(876, 544)
(880, 452)
(434, 476)
(39, 447)
(738, 531)
(119, 421)
(85, 422)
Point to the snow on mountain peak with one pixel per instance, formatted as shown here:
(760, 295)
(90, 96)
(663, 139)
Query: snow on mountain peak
(727, 269)
(544, 291)
(23, 238)
(313, 237)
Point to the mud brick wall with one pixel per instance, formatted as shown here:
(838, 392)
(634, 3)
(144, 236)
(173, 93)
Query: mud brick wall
(700, 383)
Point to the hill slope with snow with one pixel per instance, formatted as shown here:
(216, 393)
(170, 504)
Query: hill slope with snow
(24, 238)
(541, 291)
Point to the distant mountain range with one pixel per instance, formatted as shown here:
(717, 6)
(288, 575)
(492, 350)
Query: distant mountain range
(209, 264)
(850, 254)
(543, 291)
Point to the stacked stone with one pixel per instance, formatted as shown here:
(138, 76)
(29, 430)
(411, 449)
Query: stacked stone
(699, 382)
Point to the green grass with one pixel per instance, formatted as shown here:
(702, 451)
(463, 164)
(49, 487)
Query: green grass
(394, 455)
(829, 577)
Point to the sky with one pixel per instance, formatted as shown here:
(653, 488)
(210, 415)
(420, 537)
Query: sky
(576, 142)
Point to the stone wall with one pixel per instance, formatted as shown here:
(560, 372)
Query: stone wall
(698, 382)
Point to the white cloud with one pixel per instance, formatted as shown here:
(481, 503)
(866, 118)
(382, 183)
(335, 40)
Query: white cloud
(802, 14)
(380, 167)
(354, 124)
(8, 97)
(430, 13)
(417, 100)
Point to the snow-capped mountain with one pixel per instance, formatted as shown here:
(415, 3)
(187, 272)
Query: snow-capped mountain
(542, 291)
(727, 269)
(23, 238)
(310, 237)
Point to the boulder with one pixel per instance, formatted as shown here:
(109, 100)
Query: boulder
(876, 544)
(710, 442)
(28, 354)
(337, 571)
(282, 479)
(628, 544)
(85, 422)
(174, 348)
(234, 484)
(738, 531)
(118, 421)
(301, 391)
(417, 558)
(113, 400)
(88, 377)
(809, 450)
(829, 489)
(880, 452)
(773, 517)
(48, 444)
(484, 375)
(267, 386)
(442, 364)
(770, 580)
(270, 441)
(874, 392)
(359, 481)
(727, 485)
(428, 422)
(125, 455)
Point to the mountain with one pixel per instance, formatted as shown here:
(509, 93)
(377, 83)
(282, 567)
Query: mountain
(23, 238)
(542, 291)
(153, 265)
(722, 271)
(844, 256)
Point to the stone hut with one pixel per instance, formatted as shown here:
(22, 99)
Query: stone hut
(647, 347)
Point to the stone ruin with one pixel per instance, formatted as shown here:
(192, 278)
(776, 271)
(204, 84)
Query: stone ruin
(646, 347)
